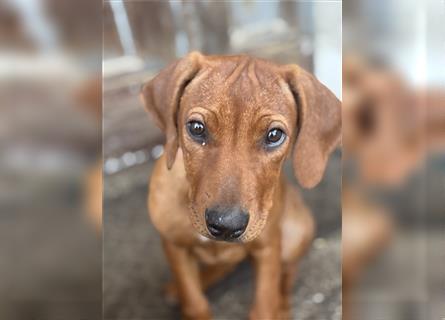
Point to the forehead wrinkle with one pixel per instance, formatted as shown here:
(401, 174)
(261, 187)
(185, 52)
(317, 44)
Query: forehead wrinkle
(238, 71)
(247, 99)
(252, 73)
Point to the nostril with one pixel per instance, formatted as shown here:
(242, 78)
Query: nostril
(215, 230)
(237, 233)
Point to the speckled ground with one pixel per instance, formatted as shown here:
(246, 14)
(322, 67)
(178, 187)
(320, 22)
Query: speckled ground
(135, 269)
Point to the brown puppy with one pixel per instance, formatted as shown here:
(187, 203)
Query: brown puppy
(230, 122)
(384, 119)
(387, 119)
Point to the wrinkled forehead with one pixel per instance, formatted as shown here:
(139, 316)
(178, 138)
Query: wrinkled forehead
(239, 86)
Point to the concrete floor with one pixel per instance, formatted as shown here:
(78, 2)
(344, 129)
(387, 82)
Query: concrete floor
(50, 266)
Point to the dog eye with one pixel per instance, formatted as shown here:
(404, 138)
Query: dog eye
(196, 130)
(275, 137)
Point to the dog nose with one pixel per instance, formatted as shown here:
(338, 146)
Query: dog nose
(226, 223)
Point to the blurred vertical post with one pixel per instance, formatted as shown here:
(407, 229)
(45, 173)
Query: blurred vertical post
(393, 221)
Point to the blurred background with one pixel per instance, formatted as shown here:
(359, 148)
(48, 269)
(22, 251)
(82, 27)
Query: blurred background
(50, 248)
(394, 164)
(141, 38)
(50, 159)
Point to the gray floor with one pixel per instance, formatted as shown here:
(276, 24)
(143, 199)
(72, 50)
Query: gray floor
(50, 266)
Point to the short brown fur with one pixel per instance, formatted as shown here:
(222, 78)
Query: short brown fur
(239, 98)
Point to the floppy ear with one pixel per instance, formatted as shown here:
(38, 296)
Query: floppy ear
(319, 125)
(161, 97)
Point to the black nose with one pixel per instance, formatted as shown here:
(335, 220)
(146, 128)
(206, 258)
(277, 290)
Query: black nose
(226, 223)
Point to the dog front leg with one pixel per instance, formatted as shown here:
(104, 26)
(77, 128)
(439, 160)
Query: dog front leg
(184, 266)
(267, 262)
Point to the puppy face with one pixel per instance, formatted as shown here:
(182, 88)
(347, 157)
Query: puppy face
(235, 119)
(382, 122)
(236, 123)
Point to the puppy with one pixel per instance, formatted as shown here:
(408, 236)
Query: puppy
(218, 194)
(389, 129)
